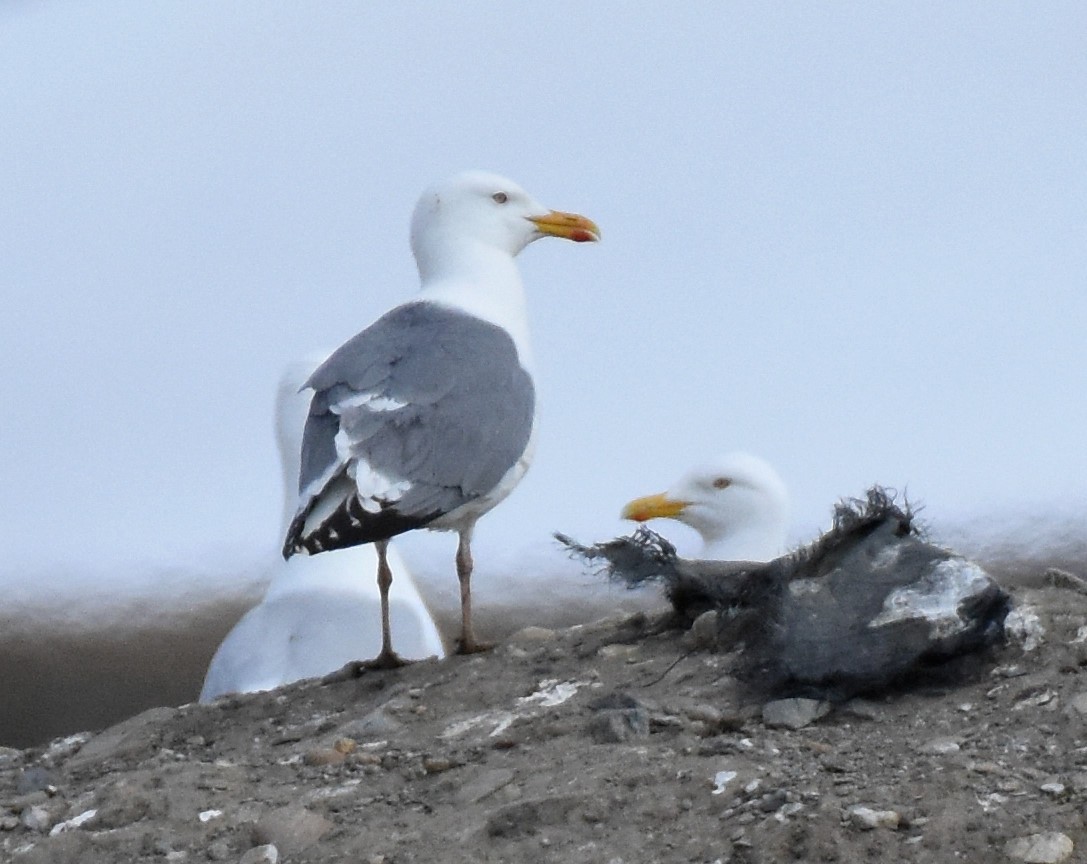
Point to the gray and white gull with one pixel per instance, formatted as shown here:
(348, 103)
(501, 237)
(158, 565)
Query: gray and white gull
(427, 418)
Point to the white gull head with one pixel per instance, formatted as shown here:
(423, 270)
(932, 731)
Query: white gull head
(738, 504)
(466, 231)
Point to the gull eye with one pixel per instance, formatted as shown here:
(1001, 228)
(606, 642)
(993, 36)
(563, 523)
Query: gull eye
(721, 483)
(500, 197)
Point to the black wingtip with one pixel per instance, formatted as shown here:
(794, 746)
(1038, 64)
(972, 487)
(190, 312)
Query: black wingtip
(348, 525)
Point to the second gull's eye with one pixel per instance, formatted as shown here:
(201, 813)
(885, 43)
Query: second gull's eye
(500, 197)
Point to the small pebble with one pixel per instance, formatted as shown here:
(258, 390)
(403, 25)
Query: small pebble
(36, 818)
(75, 822)
(324, 756)
(868, 819)
(35, 779)
(790, 809)
(706, 714)
(266, 854)
(703, 633)
(533, 634)
(835, 763)
(1079, 703)
(793, 713)
(437, 764)
(940, 746)
(616, 649)
(1051, 847)
(10, 754)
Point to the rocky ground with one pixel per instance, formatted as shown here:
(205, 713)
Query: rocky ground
(619, 741)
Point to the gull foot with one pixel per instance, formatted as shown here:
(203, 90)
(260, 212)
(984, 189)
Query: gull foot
(357, 668)
(385, 660)
(473, 647)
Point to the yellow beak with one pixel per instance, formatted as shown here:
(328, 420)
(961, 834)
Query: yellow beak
(653, 507)
(569, 226)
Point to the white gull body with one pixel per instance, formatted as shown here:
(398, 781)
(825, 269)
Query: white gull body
(427, 418)
(738, 504)
(318, 613)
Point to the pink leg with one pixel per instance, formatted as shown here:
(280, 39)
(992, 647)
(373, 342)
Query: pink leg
(387, 659)
(467, 643)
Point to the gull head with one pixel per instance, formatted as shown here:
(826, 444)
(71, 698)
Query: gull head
(738, 504)
(477, 210)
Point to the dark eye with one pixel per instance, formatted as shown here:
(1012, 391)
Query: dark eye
(500, 197)
(721, 483)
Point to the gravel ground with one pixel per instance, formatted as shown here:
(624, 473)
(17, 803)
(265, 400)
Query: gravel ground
(619, 741)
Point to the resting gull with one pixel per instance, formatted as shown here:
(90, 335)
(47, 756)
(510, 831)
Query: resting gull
(738, 504)
(317, 614)
(427, 418)
(867, 605)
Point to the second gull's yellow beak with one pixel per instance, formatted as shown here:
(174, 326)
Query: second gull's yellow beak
(653, 507)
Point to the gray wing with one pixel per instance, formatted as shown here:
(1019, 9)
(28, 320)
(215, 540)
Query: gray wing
(420, 413)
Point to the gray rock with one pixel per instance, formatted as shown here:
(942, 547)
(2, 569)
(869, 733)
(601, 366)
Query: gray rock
(862, 709)
(34, 779)
(130, 738)
(1051, 847)
(616, 726)
(868, 819)
(75, 822)
(62, 748)
(485, 784)
(940, 746)
(264, 854)
(1023, 626)
(524, 818)
(36, 818)
(794, 713)
(1079, 781)
(291, 828)
(376, 724)
(835, 763)
(533, 635)
(1079, 703)
(703, 633)
(9, 754)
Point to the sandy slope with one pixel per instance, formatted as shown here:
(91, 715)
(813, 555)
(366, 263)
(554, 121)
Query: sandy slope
(601, 743)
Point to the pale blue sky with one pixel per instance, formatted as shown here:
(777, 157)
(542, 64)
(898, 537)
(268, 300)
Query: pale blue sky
(849, 237)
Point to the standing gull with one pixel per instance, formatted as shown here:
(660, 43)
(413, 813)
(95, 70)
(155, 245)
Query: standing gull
(427, 418)
(738, 505)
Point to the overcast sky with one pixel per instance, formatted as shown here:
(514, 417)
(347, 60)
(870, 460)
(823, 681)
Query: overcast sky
(849, 237)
